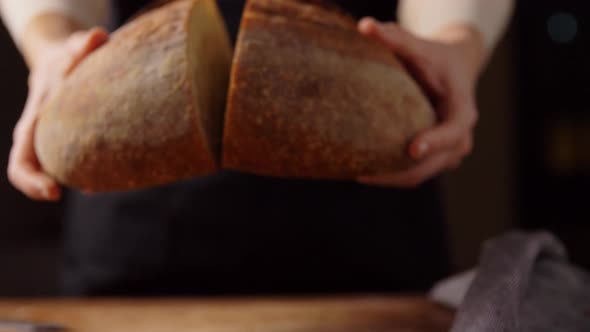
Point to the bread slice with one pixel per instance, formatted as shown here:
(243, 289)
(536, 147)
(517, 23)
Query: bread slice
(312, 98)
(146, 108)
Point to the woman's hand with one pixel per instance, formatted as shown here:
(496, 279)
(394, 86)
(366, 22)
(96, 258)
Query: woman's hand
(447, 67)
(50, 61)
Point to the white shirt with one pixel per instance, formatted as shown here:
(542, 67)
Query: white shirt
(423, 17)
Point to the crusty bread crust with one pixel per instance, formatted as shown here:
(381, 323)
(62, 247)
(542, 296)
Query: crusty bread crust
(309, 98)
(130, 116)
(312, 98)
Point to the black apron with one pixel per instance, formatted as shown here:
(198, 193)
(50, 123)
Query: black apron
(236, 233)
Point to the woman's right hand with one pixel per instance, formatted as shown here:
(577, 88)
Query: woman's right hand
(50, 61)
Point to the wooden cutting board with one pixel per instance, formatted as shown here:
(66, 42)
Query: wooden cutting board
(354, 314)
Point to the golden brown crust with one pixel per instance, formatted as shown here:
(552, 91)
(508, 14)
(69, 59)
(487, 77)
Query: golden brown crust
(127, 117)
(310, 97)
(322, 12)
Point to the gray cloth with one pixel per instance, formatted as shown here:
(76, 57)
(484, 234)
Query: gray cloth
(524, 282)
(451, 291)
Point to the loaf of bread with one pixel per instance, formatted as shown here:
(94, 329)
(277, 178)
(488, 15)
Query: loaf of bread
(146, 108)
(310, 97)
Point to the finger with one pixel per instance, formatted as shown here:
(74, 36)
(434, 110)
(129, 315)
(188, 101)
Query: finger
(23, 168)
(393, 36)
(413, 176)
(34, 99)
(30, 181)
(461, 151)
(454, 165)
(457, 125)
(466, 146)
(24, 171)
(84, 43)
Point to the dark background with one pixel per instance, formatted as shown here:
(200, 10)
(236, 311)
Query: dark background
(29, 231)
(553, 121)
(529, 170)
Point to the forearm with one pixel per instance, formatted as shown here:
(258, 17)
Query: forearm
(42, 32)
(479, 22)
(35, 20)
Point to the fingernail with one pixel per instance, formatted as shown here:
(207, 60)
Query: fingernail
(367, 23)
(422, 150)
(45, 193)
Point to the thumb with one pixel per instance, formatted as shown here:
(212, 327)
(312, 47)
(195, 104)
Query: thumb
(81, 44)
(398, 40)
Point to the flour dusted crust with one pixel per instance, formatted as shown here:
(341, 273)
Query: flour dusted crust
(146, 108)
(312, 98)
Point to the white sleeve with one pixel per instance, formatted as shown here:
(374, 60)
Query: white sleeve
(425, 17)
(16, 14)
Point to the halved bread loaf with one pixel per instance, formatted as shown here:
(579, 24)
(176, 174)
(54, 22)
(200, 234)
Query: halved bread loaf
(309, 97)
(312, 98)
(146, 108)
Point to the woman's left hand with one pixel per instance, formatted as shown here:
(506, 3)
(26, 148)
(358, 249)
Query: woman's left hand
(447, 67)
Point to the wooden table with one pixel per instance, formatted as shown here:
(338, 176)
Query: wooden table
(339, 314)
